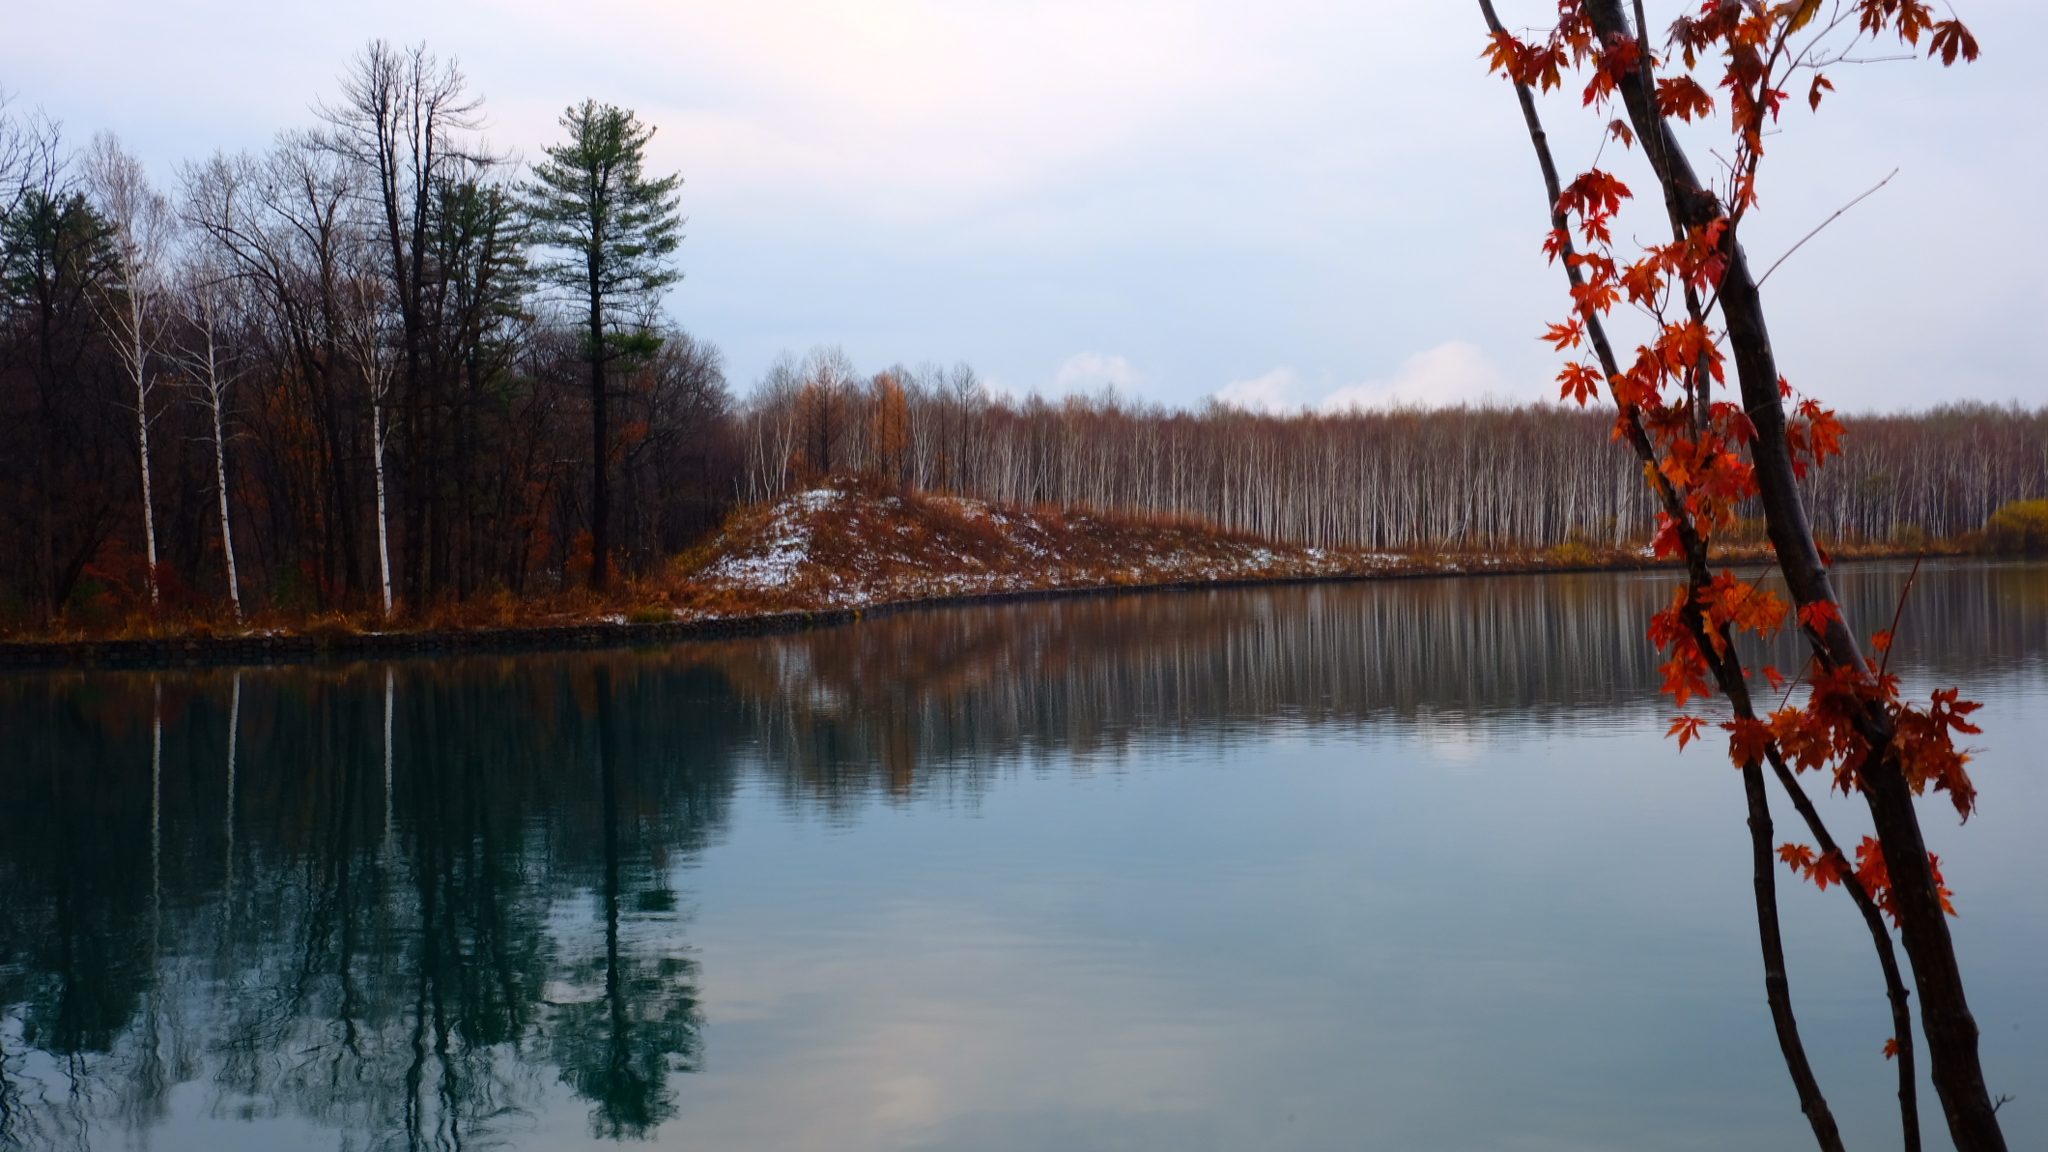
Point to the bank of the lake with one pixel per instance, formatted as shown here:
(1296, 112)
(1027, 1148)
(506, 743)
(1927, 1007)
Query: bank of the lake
(331, 643)
(814, 559)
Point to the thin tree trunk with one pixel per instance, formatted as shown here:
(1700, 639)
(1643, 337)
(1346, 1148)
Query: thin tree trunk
(1881, 939)
(600, 488)
(1777, 989)
(227, 533)
(216, 400)
(377, 430)
(142, 446)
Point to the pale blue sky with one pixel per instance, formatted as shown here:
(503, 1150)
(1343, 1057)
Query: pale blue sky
(1291, 199)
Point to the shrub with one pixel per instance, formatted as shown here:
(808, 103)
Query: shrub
(1747, 530)
(2021, 526)
(329, 626)
(1574, 554)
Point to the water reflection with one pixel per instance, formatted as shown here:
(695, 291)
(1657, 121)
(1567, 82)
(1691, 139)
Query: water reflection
(408, 903)
(843, 715)
(409, 937)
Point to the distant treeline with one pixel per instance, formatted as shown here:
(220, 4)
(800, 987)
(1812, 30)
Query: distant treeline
(297, 371)
(1534, 476)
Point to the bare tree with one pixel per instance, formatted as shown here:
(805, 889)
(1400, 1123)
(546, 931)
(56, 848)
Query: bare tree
(404, 121)
(205, 301)
(142, 227)
(363, 334)
(17, 153)
(282, 223)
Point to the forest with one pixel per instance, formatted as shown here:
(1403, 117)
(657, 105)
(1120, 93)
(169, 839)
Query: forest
(1465, 478)
(343, 373)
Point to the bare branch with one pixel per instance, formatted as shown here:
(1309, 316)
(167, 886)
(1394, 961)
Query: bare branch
(1830, 220)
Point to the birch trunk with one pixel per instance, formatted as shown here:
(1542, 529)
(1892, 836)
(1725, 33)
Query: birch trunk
(139, 366)
(214, 382)
(141, 224)
(377, 429)
(227, 532)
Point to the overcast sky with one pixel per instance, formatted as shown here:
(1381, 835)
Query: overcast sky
(1285, 202)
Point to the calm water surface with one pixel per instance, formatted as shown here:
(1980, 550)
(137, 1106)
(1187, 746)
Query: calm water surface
(1380, 866)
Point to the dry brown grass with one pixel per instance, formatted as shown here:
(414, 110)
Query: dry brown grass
(846, 544)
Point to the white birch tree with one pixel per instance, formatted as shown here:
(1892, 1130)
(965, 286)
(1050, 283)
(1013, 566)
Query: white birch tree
(364, 334)
(210, 371)
(142, 227)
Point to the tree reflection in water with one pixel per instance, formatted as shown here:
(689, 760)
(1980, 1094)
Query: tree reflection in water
(617, 1045)
(421, 977)
(406, 902)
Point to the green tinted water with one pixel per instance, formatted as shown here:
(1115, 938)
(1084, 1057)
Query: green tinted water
(1400, 865)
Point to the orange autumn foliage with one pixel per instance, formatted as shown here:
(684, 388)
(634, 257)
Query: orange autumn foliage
(1696, 448)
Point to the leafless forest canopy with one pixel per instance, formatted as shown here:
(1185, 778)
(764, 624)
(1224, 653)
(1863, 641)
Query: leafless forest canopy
(292, 375)
(1532, 476)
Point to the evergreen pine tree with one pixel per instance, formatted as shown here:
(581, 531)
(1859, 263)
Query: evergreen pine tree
(614, 231)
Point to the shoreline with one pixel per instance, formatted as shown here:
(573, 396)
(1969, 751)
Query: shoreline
(302, 648)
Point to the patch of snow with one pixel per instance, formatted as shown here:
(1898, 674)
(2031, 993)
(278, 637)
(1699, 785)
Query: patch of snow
(771, 569)
(786, 546)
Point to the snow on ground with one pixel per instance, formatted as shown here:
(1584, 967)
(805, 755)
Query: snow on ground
(785, 546)
(831, 547)
(773, 569)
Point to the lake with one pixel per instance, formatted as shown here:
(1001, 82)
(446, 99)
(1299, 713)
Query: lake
(1397, 865)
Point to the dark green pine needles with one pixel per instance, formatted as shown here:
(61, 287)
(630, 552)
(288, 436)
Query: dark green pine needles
(615, 231)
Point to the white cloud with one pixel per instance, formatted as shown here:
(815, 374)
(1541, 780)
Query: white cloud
(1445, 376)
(1442, 377)
(907, 106)
(1272, 392)
(998, 389)
(1092, 371)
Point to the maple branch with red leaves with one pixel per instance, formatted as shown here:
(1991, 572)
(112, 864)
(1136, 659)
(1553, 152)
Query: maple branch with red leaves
(1677, 535)
(1854, 721)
